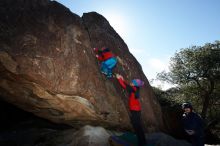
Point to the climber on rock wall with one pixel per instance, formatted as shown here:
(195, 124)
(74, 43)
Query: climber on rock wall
(108, 60)
(134, 106)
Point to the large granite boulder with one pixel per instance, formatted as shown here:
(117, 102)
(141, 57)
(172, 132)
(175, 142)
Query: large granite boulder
(48, 68)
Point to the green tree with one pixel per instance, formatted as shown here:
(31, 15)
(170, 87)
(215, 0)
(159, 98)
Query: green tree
(196, 69)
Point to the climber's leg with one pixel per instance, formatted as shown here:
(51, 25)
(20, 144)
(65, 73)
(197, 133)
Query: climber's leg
(110, 63)
(104, 68)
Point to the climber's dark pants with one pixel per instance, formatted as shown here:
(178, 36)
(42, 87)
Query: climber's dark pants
(137, 125)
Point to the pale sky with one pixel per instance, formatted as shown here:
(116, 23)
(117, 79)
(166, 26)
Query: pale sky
(155, 29)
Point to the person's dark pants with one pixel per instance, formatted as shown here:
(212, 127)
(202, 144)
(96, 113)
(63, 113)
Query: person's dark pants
(137, 125)
(197, 140)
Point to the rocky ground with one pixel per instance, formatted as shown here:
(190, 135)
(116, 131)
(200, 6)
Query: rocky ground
(85, 136)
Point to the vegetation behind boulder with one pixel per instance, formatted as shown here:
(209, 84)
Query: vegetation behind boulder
(196, 73)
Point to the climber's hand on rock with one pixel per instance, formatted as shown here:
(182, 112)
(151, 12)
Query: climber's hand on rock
(95, 50)
(118, 76)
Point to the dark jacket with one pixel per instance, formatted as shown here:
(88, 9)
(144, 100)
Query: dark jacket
(192, 121)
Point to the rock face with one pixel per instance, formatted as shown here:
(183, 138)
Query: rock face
(48, 68)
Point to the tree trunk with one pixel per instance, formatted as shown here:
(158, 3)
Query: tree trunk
(206, 95)
(205, 106)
